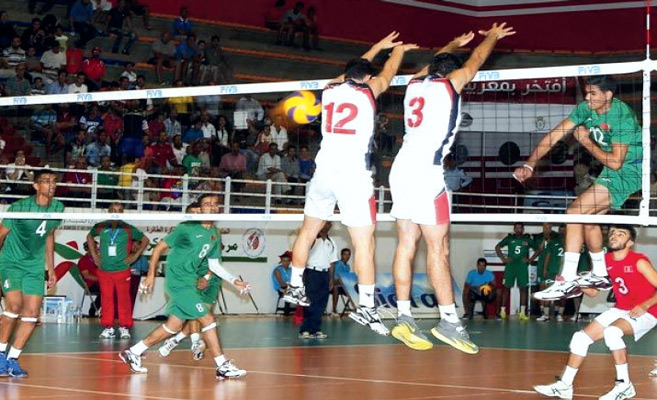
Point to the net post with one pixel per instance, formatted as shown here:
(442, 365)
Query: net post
(94, 188)
(644, 205)
(268, 197)
(381, 199)
(227, 195)
(185, 191)
(140, 192)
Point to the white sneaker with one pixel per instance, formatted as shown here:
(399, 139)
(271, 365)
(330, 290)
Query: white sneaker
(167, 346)
(296, 295)
(198, 350)
(229, 370)
(133, 360)
(108, 333)
(559, 318)
(590, 280)
(124, 333)
(369, 317)
(622, 390)
(560, 289)
(557, 389)
(653, 373)
(543, 318)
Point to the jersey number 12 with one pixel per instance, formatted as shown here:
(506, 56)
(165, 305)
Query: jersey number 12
(351, 112)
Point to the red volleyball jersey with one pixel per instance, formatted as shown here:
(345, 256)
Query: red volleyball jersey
(629, 285)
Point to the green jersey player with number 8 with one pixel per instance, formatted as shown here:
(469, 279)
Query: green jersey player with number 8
(25, 246)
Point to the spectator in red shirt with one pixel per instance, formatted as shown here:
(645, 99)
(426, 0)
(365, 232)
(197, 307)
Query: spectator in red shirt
(156, 125)
(94, 68)
(233, 164)
(89, 271)
(162, 153)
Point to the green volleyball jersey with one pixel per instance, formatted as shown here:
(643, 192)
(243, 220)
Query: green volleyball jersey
(191, 244)
(556, 250)
(26, 242)
(617, 125)
(550, 246)
(115, 244)
(518, 248)
(214, 281)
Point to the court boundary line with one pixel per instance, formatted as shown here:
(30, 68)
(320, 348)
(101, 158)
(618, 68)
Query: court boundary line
(85, 391)
(350, 379)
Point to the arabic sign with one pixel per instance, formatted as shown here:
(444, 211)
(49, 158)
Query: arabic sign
(546, 90)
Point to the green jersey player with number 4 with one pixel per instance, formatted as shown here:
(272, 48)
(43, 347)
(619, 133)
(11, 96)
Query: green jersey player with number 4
(191, 243)
(25, 246)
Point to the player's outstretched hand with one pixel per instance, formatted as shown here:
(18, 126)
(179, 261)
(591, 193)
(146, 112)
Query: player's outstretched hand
(388, 42)
(500, 31)
(464, 39)
(242, 286)
(405, 47)
(522, 174)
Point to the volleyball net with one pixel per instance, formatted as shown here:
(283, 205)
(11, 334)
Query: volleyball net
(219, 135)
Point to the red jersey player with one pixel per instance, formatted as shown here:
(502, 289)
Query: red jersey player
(635, 287)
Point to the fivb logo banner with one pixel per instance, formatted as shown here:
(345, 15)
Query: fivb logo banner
(423, 298)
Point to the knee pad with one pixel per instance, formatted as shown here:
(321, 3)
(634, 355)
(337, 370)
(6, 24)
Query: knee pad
(209, 327)
(29, 319)
(579, 344)
(169, 331)
(10, 314)
(614, 338)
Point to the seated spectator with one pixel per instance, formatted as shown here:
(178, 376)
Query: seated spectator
(156, 125)
(130, 74)
(140, 9)
(171, 125)
(220, 140)
(106, 179)
(101, 10)
(164, 55)
(7, 30)
(253, 109)
(216, 63)
(204, 153)
(279, 132)
(91, 122)
(275, 15)
(163, 156)
(265, 138)
(118, 17)
(233, 164)
(209, 131)
(145, 162)
(210, 185)
(94, 68)
(78, 177)
(60, 85)
(312, 28)
(77, 148)
(43, 124)
(19, 176)
(172, 197)
(269, 167)
(82, 14)
(52, 61)
(33, 64)
(61, 37)
(186, 53)
(134, 127)
(293, 22)
(290, 167)
(306, 165)
(182, 26)
(191, 161)
(78, 85)
(33, 36)
(281, 276)
(38, 88)
(99, 149)
(179, 148)
(11, 57)
(194, 133)
(18, 85)
(472, 289)
(340, 267)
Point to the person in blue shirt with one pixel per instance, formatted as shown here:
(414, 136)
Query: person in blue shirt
(472, 289)
(194, 133)
(182, 26)
(340, 267)
(82, 15)
(281, 276)
(187, 52)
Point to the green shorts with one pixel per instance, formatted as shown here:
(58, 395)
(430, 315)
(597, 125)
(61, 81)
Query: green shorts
(185, 303)
(516, 273)
(620, 184)
(27, 282)
(551, 276)
(209, 294)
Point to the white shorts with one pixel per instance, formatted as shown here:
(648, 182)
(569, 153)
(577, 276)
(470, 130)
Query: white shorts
(640, 326)
(352, 192)
(418, 194)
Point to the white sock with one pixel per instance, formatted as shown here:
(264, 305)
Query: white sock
(14, 353)
(622, 373)
(546, 311)
(523, 309)
(179, 337)
(366, 295)
(297, 277)
(560, 310)
(599, 265)
(569, 375)
(3, 347)
(570, 262)
(448, 313)
(139, 348)
(404, 308)
(220, 360)
(195, 337)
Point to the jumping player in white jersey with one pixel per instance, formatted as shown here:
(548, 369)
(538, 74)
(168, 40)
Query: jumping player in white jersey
(420, 201)
(343, 174)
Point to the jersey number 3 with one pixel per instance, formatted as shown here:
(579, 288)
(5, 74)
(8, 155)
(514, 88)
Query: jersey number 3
(416, 104)
(351, 112)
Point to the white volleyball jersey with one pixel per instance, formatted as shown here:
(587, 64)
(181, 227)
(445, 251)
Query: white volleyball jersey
(432, 113)
(348, 111)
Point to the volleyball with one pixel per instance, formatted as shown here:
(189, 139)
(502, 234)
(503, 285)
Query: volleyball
(302, 107)
(485, 289)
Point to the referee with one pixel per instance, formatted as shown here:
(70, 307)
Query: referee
(323, 255)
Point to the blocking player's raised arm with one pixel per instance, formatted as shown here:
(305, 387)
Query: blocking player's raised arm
(387, 42)
(382, 81)
(450, 47)
(463, 76)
